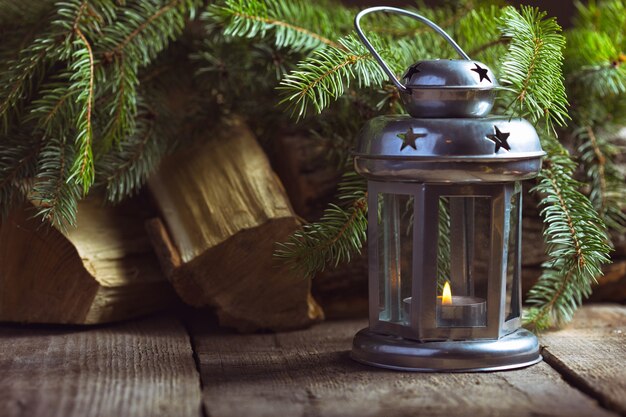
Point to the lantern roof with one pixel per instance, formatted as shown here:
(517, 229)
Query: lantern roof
(405, 148)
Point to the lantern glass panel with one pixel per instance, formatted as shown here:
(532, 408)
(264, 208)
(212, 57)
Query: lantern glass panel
(464, 254)
(395, 226)
(513, 301)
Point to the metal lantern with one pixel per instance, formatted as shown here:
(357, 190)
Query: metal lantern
(445, 242)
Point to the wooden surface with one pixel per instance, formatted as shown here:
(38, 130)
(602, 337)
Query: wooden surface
(150, 367)
(309, 373)
(143, 368)
(591, 354)
(101, 271)
(222, 211)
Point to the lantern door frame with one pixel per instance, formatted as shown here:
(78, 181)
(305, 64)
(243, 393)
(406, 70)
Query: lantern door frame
(422, 325)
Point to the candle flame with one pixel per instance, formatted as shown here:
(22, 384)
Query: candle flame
(446, 299)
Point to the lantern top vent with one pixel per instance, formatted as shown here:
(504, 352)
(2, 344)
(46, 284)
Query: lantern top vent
(449, 74)
(441, 87)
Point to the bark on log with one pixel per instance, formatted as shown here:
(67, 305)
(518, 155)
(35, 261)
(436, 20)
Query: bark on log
(222, 211)
(104, 270)
(309, 178)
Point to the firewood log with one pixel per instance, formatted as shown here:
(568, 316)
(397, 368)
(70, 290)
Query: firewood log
(310, 179)
(101, 271)
(222, 211)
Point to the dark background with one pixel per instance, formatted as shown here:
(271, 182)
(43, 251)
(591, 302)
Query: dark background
(563, 10)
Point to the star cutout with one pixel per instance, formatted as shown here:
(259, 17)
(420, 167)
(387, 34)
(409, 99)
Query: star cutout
(413, 69)
(482, 72)
(500, 139)
(408, 138)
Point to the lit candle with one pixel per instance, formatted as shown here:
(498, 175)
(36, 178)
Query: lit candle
(460, 310)
(456, 310)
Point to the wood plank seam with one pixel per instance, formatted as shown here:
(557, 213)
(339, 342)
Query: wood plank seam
(578, 382)
(196, 360)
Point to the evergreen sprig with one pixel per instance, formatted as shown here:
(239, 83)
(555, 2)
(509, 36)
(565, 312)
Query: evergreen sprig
(607, 190)
(532, 66)
(125, 171)
(323, 77)
(576, 242)
(337, 237)
(55, 196)
(74, 87)
(596, 77)
(298, 25)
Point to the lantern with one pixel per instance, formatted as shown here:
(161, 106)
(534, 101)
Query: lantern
(444, 234)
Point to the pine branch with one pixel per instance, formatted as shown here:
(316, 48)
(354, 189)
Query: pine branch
(82, 172)
(576, 243)
(122, 108)
(297, 25)
(135, 39)
(18, 162)
(607, 188)
(146, 28)
(594, 63)
(338, 235)
(123, 172)
(55, 197)
(21, 78)
(532, 66)
(325, 75)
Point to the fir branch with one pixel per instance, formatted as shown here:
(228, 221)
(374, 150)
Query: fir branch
(607, 188)
(601, 164)
(152, 26)
(82, 172)
(576, 243)
(55, 197)
(53, 110)
(325, 75)
(594, 64)
(135, 39)
(297, 25)
(21, 79)
(18, 162)
(338, 235)
(124, 171)
(490, 44)
(532, 66)
(122, 108)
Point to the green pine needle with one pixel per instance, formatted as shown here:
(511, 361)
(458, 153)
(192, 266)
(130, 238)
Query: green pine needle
(55, 197)
(532, 66)
(295, 24)
(337, 237)
(324, 76)
(576, 243)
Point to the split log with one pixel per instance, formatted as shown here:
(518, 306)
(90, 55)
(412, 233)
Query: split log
(101, 271)
(309, 178)
(223, 210)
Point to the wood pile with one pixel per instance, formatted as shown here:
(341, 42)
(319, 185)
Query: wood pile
(217, 210)
(103, 270)
(222, 211)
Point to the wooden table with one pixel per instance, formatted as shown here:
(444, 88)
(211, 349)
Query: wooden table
(166, 366)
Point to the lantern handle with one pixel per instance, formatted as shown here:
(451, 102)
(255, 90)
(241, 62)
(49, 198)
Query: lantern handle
(415, 16)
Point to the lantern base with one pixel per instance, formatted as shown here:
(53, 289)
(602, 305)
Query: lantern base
(516, 350)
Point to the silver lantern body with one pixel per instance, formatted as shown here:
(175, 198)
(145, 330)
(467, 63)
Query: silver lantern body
(444, 234)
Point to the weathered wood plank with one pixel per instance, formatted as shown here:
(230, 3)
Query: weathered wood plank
(308, 373)
(590, 353)
(142, 368)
